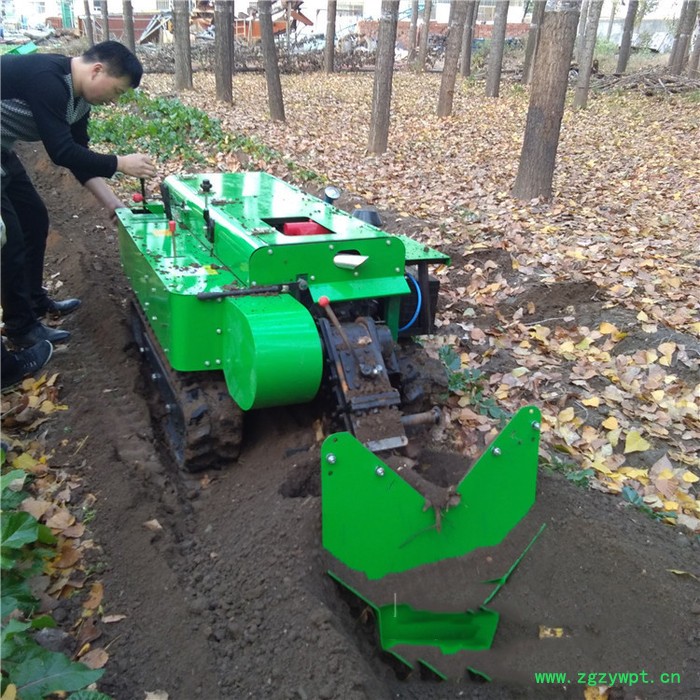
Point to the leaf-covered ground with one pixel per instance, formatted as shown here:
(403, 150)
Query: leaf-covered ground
(588, 306)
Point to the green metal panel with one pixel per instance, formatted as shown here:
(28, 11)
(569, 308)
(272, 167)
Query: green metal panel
(375, 522)
(418, 252)
(273, 353)
(189, 330)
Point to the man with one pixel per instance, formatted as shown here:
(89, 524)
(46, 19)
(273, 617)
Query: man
(47, 97)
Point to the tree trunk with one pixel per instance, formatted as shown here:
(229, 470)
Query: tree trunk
(586, 54)
(424, 35)
(452, 49)
(128, 11)
(183, 50)
(626, 44)
(533, 39)
(329, 53)
(413, 32)
(611, 22)
(272, 70)
(544, 115)
(686, 24)
(105, 21)
(88, 24)
(222, 47)
(694, 62)
(383, 75)
(468, 37)
(498, 39)
(580, 34)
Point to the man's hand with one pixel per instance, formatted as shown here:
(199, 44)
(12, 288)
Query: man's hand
(104, 194)
(136, 165)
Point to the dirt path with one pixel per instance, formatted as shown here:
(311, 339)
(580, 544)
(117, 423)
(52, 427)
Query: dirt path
(230, 600)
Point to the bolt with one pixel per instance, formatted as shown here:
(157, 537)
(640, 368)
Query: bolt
(207, 363)
(155, 376)
(331, 247)
(218, 362)
(388, 241)
(379, 471)
(536, 426)
(312, 278)
(169, 407)
(270, 251)
(330, 458)
(219, 331)
(142, 350)
(397, 269)
(496, 451)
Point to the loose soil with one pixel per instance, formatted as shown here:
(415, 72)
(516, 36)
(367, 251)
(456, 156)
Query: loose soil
(230, 599)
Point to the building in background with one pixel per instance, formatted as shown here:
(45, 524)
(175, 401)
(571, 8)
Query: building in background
(18, 14)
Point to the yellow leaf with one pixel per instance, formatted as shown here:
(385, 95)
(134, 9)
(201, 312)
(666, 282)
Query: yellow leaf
(690, 478)
(670, 505)
(550, 632)
(614, 436)
(566, 415)
(610, 423)
(596, 693)
(634, 442)
(642, 316)
(593, 401)
(10, 692)
(680, 572)
(607, 328)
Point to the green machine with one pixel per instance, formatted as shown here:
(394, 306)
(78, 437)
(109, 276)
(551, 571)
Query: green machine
(250, 293)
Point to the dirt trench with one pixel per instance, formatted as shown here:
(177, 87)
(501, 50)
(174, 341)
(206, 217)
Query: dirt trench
(230, 600)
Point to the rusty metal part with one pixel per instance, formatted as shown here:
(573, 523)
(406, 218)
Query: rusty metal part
(431, 417)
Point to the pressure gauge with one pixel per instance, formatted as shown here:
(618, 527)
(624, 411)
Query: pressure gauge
(331, 193)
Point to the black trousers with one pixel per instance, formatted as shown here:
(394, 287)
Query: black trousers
(22, 258)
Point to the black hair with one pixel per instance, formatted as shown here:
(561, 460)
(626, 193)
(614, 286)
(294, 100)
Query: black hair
(118, 60)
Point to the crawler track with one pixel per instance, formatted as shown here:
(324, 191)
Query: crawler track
(194, 411)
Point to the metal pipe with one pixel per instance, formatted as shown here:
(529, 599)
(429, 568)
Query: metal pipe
(426, 418)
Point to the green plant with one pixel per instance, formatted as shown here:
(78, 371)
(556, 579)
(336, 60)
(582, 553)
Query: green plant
(581, 477)
(163, 127)
(471, 383)
(26, 547)
(167, 129)
(631, 496)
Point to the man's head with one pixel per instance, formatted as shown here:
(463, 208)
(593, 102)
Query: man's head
(110, 70)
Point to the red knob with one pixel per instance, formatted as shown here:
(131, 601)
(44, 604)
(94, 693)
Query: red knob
(324, 301)
(137, 197)
(172, 225)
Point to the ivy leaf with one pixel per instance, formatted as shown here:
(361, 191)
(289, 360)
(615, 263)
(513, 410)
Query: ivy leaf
(42, 672)
(19, 529)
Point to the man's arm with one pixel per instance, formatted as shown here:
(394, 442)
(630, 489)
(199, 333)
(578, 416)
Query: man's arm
(104, 195)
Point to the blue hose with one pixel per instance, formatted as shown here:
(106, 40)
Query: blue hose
(419, 303)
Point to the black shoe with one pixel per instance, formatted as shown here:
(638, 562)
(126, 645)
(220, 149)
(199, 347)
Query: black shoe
(38, 333)
(25, 363)
(56, 308)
